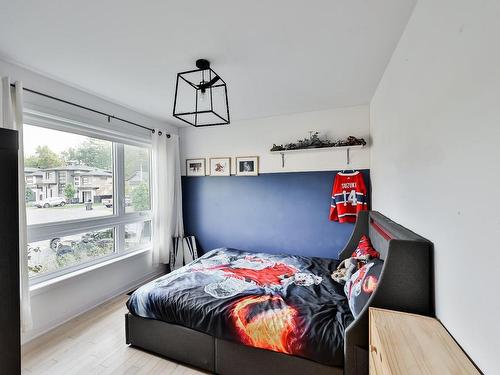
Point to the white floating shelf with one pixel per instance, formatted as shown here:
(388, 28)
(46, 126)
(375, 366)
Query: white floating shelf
(339, 148)
(312, 149)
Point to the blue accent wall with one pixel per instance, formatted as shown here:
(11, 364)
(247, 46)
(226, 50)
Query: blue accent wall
(273, 212)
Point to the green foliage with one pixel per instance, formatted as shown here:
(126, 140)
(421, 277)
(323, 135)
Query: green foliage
(91, 246)
(92, 152)
(140, 197)
(135, 158)
(29, 195)
(69, 191)
(44, 157)
(33, 268)
(67, 259)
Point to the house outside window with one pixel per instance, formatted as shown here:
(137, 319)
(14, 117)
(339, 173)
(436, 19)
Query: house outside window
(64, 233)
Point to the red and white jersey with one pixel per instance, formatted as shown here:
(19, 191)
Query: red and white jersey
(348, 197)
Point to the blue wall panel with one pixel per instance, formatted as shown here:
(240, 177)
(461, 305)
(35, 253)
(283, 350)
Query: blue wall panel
(274, 213)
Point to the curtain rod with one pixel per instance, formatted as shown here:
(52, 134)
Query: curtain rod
(90, 109)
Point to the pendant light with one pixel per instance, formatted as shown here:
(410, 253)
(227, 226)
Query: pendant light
(201, 97)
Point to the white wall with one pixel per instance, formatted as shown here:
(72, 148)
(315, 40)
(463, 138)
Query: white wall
(256, 137)
(58, 303)
(435, 125)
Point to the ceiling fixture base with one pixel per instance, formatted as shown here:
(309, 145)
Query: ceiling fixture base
(203, 64)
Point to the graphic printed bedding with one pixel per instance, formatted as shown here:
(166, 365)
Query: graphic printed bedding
(284, 303)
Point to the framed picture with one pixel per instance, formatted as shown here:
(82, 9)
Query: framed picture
(195, 167)
(247, 165)
(220, 166)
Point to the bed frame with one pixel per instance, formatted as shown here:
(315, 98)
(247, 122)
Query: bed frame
(406, 284)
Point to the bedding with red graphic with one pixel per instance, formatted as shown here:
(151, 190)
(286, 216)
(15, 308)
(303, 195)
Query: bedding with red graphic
(284, 303)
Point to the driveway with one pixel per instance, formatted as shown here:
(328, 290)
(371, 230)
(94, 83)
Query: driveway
(68, 212)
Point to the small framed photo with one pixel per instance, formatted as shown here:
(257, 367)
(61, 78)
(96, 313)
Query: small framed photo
(247, 166)
(195, 167)
(220, 166)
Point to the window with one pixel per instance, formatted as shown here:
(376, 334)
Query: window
(62, 177)
(136, 179)
(63, 252)
(49, 151)
(137, 235)
(92, 203)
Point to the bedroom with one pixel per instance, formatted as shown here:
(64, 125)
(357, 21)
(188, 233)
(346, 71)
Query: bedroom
(106, 206)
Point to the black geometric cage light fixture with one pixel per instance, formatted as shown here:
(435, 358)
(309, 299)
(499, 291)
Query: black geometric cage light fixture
(201, 97)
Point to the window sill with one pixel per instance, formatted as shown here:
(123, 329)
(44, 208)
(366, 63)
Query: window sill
(43, 286)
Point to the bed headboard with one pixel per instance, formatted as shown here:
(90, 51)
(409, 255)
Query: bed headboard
(405, 284)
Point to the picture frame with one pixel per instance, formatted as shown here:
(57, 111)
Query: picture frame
(220, 166)
(196, 167)
(247, 166)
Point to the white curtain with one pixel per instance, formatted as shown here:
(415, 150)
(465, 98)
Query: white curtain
(167, 197)
(12, 118)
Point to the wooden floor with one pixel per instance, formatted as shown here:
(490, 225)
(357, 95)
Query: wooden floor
(94, 343)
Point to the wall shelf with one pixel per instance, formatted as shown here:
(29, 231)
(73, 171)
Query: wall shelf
(347, 150)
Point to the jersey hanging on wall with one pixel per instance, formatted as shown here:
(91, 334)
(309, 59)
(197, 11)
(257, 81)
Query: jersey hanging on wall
(348, 197)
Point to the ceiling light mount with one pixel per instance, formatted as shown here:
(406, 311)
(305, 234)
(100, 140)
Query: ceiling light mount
(201, 97)
(203, 64)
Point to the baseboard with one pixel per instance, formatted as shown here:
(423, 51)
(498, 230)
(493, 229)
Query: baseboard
(29, 339)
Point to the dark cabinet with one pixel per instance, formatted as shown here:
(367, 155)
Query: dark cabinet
(10, 335)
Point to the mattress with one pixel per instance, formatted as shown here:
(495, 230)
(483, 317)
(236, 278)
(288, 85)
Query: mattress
(284, 303)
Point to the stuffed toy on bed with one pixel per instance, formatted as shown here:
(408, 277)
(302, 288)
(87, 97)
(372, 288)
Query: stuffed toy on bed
(345, 270)
(363, 253)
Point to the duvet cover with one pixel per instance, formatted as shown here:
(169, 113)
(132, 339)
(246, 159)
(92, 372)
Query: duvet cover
(285, 303)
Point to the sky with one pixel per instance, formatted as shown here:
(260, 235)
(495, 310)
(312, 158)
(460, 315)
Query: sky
(57, 141)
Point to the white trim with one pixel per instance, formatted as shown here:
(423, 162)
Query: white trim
(58, 322)
(348, 174)
(40, 232)
(38, 116)
(44, 286)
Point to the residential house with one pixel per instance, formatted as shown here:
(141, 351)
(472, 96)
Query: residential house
(33, 179)
(91, 184)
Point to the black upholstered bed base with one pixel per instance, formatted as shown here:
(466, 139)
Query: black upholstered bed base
(405, 284)
(214, 355)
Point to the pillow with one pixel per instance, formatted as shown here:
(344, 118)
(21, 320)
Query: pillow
(362, 284)
(365, 249)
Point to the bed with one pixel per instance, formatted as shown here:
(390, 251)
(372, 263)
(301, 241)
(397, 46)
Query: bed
(240, 312)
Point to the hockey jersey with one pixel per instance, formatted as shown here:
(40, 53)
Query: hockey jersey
(348, 197)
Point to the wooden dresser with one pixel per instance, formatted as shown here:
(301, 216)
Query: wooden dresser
(402, 343)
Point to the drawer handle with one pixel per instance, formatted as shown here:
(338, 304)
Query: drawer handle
(374, 349)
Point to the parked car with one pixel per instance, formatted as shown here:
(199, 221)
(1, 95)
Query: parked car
(108, 202)
(50, 202)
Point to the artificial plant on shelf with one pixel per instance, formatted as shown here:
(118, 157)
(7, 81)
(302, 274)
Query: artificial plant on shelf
(315, 142)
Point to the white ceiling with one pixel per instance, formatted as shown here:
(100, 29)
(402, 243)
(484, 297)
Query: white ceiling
(277, 57)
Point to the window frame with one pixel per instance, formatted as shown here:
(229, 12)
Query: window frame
(117, 220)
